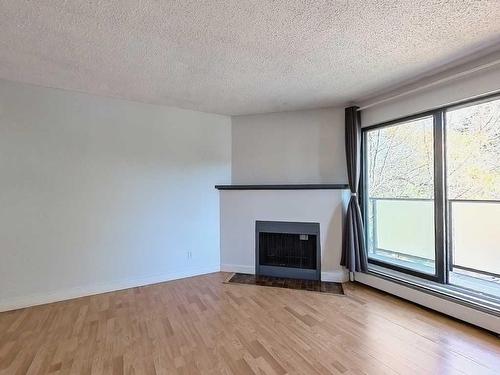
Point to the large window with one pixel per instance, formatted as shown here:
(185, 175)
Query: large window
(400, 187)
(431, 199)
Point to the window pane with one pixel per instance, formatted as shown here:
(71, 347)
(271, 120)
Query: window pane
(400, 195)
(473, 178)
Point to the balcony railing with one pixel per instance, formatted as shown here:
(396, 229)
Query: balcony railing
(403, 229)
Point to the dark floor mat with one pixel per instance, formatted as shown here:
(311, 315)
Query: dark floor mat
(280, 282)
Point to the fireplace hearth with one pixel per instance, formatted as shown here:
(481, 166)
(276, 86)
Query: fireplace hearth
(288, 249)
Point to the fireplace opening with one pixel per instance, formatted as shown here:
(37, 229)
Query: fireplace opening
(288, 249)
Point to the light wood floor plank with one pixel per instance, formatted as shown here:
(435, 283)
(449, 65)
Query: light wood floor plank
(201, 326)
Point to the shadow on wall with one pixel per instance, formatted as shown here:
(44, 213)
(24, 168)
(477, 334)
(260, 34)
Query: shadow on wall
(331, 259)
(331, 143)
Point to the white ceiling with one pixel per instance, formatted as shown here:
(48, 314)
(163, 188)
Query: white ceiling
(238, 56)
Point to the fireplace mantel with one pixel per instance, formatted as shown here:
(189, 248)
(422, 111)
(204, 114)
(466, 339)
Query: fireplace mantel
(284, 187)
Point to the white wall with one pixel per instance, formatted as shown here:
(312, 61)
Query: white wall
(482, 82)
(289, 147)
(241, 208)
(99, 194)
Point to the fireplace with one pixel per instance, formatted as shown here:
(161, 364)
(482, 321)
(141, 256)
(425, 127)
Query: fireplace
(287, 249)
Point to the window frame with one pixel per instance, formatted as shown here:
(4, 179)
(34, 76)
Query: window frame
(442, 233)
(438, 168)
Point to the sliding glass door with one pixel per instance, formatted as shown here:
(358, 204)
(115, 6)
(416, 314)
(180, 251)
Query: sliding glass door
(431, 195)
(399, 171)
(473, 192)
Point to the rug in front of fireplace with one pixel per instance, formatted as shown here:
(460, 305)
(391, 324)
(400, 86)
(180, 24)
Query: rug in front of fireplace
(281, 282)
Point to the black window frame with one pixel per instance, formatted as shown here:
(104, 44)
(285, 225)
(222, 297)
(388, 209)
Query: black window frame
(443, 251)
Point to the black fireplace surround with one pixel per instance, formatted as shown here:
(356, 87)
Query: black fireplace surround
(287, 249)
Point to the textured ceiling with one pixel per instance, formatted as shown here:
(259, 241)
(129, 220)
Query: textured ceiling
(238, 57)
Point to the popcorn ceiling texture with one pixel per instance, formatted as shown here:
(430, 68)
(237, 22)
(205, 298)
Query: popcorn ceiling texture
(237, 57)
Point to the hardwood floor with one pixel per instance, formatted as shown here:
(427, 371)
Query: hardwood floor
(201, 326)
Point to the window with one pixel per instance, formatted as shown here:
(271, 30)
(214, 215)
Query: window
(473, 192)
(431, 196)
(400, 199)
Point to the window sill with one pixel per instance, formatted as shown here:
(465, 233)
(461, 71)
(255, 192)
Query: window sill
(452, 293)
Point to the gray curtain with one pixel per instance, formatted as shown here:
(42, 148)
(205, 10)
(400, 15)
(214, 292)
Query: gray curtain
(353, 243)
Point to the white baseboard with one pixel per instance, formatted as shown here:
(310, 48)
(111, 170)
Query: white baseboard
(61, 295)
(237, 268)
(335, 276)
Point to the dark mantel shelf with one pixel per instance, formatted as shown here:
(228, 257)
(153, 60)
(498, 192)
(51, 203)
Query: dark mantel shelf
(283, 187)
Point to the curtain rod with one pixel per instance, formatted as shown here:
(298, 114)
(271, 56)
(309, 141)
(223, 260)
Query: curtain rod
(434, 83)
